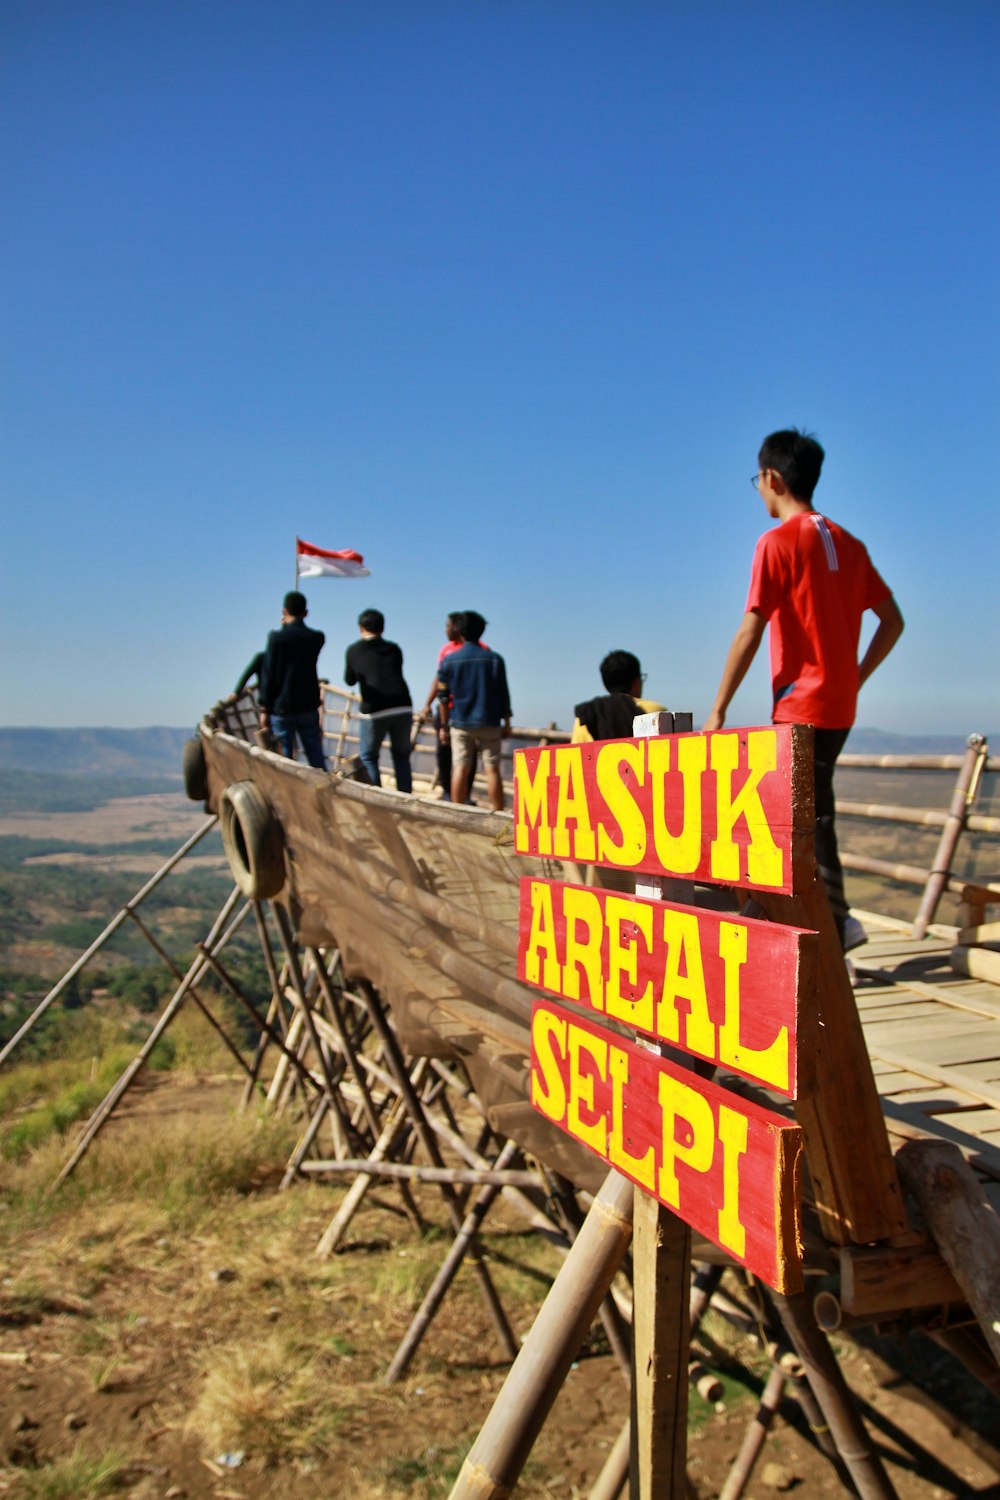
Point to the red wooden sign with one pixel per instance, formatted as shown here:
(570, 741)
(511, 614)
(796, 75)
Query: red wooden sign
(722, 987)
(733, 808)
(727, 1167)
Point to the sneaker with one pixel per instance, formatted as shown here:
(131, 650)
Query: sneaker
(854, 934)
(853, 975)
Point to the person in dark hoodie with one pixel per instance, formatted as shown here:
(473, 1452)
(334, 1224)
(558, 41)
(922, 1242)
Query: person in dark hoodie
(289, 689)
(376, 665)
(610, 716)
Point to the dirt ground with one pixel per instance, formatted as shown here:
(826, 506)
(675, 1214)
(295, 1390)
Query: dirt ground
(111, 1315)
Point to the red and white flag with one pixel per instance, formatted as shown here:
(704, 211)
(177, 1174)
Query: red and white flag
(317, 562)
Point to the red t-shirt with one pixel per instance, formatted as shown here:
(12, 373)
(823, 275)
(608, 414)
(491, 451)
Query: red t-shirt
(812, 581)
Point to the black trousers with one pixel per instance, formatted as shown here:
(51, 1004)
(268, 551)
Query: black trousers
(828, 745)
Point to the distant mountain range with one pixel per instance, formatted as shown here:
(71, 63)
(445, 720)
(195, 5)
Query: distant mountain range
(94, 752)
(157, 751)
(881, 742)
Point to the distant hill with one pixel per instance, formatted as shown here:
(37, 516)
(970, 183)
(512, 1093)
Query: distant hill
(154, 752)
(881, 742)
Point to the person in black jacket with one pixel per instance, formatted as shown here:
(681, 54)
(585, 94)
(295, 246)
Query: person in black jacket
(376, 665)
(289, 686)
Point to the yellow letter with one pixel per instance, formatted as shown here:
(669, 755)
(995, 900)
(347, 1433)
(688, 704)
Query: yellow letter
(621, 804)
(547, 1029)
(678, 1102)
(542, 940)
(680, 933)
(572, 807)
(640, 1169)
(593, 1133)
(769, 1064)
(583, 907)
(531, 803)
(764, 859)
(628, 923)
(678, 852)
(733, 1131)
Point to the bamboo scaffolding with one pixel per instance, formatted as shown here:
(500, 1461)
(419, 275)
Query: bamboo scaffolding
(217, 939)
(396, 1122)
(409, 1172)
(834, 1398)
(126, 911)
(961, 804)
(493, 1466)
(461, 1245)
(429, 1143)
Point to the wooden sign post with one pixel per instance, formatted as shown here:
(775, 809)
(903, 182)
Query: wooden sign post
(655, 993)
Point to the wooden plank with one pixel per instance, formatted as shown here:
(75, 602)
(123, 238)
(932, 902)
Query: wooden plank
(883, 1279)
(871, 1015)
(971, 1146)
(733, 808)
(954, 1077)
(895, 1081)
(728, 1167)
(855, 1187)
(661, 1268)
(721, 987)
(958, 994)
(946, 1051)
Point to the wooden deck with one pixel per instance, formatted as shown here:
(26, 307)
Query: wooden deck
(934, 1041)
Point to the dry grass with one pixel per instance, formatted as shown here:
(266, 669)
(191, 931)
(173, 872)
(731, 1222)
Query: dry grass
(274, 1396)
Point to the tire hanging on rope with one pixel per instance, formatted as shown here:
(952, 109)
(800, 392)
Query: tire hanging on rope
(252, 839)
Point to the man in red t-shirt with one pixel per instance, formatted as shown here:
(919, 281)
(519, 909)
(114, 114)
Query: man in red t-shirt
(811, 581)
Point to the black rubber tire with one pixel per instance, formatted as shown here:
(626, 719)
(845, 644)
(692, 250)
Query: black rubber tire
(252, 839)
(195, 769)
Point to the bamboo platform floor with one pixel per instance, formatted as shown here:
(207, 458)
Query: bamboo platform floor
(934, 1041)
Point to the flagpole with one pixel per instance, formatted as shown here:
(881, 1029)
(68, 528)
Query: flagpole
(296, 562)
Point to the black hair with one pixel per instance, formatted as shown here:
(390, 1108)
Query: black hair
(619, 669)
(457, 618)
(373, 620)
(294, 604)
(473, 625)
(797, 457)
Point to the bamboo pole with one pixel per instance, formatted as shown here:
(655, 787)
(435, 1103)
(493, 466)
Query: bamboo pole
(614, 1474)
(303, 1073)
(462, 1243)
(414, 1172)
(356, 1071)
(834, 1397)
(962, 797)
(298, 985)
(276, 1009)
(396, 1123)
(563, 1199)
(429, 1142)
(118, 1090)
(103, 937)
(739, 1475)
(305, 1141)
(203, 1008)
(493, 1466)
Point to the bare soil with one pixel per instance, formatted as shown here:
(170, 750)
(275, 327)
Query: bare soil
(111, 1316)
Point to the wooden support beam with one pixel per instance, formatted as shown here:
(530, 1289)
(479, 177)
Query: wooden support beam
(878, 1282)
(661, 1272)
(854, 1182)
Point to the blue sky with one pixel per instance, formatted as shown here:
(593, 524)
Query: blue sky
(503, 295)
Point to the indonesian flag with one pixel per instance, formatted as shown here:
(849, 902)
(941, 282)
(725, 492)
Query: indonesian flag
(317, 562)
